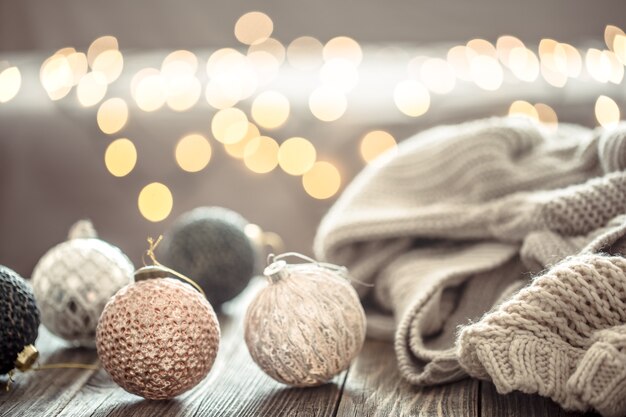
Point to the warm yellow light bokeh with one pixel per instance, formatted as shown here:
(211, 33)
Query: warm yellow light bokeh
(486, 72)
(237, 149)
(155, 202)
(504, 45)
(598, 65)
(261, 155)
(110, 63)
(619, 47)
(98, 46)
(305, 53)
(376, 143)
(524, 64)
(610, 33)
(327, 104)
(179, 62)
(78, 64)
(91, 89)
(523, 108)
(437, 75)
(271, 46)
(411, 98)
(120, 157)
(232, 77)
(482, 47)
(182, 92)
(10, 83)
(339, 74)
(547, 116)
(150, 91)
(322, 181)
(253, 27)
(343, 47)
(459, 57)
(112, 115)
(607, 111)
(270, 109)
(56, 76)
(193, 152)
(229, 125)
(296, 156)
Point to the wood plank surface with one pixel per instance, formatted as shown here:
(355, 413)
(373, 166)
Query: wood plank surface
(518, 404)
(237, 387)
(374, 387)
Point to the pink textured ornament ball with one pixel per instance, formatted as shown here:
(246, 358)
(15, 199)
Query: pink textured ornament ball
(158, 338)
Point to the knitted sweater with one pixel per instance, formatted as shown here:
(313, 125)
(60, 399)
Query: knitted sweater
(459, 217)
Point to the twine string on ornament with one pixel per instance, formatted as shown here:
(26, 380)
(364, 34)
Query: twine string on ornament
(150, 252)
(342, 271)
(29, 355)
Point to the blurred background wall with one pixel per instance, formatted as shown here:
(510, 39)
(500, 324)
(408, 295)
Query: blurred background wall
(36, 24)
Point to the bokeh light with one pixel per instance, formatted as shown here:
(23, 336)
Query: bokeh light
(110, 63)
(149, 90)
(339, 74)
(270, 109)
(411, 98)
(253, 27)
(459, 57)
(610, 33)
(155, 202)
(524, 64)
(438, 76)
(523, 108)
(193, 152)
(322, 181)
(232, 78)
(78, 64)
(607, 111)
(598, 65)
(343, 47)
(376, 143)
(305, 53)
(91, 89)
(100, 45)
(505, 45)
(112, 115)
(296, 156)
(327, 104)
(486, 72)
(619, 48)
(10, 83)
(547, 116)
(179, 62)
(271, 46)
(120, 157)
(56, 76)
(229, 125)
(261, 154)
(482, 47)
(237, 149)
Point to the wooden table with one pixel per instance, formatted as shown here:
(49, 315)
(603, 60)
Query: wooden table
(236, 387)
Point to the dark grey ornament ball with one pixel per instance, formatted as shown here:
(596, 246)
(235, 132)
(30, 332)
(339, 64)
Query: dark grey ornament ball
(209, 245)
(19, 318)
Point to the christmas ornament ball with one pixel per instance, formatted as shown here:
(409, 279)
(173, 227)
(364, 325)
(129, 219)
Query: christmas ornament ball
(72, 283)
(19, 318)
(158, 338)
(306, 326)
(210, 245)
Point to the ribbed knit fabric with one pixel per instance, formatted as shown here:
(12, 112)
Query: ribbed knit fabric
(457, 218)
(546, 334)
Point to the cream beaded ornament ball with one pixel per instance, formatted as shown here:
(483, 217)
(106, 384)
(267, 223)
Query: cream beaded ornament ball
(158, 337)
(74, 280)
(307, 325)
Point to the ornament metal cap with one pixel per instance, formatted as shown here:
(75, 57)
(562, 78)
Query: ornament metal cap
(26, 358)
(150, 272)
(276, 271)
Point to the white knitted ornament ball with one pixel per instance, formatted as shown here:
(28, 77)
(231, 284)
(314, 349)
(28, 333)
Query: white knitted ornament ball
(307, 325)
(74, 280)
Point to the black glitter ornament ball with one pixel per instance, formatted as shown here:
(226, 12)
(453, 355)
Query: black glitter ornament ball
(19, 318)
(210, 245)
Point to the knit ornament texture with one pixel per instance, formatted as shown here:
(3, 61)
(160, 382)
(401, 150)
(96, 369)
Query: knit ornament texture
(506, 230)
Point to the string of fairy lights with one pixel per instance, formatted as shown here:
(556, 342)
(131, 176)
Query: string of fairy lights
(237, 75)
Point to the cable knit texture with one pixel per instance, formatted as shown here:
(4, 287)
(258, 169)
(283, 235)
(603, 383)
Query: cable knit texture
(460, 218)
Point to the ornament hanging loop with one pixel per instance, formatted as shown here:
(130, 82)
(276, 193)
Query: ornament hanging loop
(158, 270)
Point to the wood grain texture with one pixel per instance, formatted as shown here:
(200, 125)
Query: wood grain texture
(374, 388)
(518, 404)
(237, 387)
